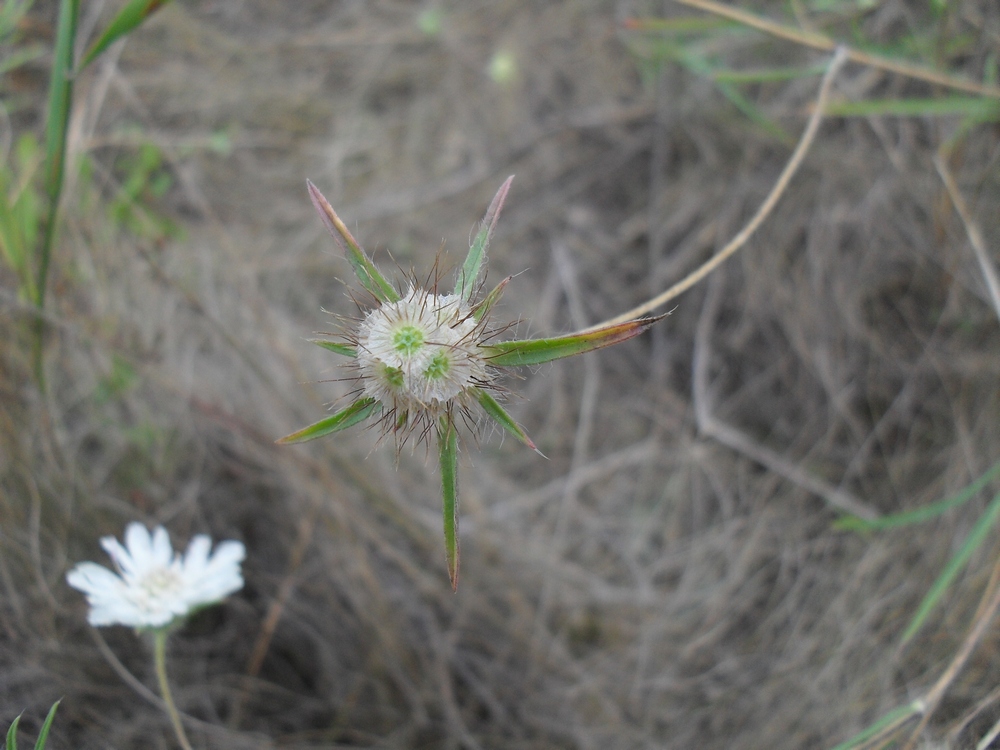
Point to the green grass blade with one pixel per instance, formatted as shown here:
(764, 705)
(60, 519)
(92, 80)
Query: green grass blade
(469, 275)
(538, 351)
(364, 269)
(888, 723)
(679, 26)
(43, 737)
(505, 420)
(128, 19)
(20, 57)
(698, 65)
(979, 108)
(346, 349)
(853, 523)
(954, 567)
(11, 13)
(12, 733)
(60, 101)
(768, 75)
(448, 455)
(347, 417)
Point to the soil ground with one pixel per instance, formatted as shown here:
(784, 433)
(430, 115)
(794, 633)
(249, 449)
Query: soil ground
(671, 575)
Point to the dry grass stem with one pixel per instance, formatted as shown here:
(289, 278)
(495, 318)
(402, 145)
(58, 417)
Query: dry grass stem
(972, 230)
(821, 42)
(932, 699)
(733, 438)
(798, 155)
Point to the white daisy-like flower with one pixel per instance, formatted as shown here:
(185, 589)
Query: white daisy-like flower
(153, 586)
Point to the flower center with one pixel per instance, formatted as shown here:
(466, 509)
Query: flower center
(420, 353)
(158, 587)
(407, 340)
(438, 366)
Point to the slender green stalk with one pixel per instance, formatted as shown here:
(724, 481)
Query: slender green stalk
(60, 101)
(160, 657)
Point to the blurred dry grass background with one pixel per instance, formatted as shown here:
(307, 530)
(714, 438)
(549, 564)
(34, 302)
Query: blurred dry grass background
(647, 585)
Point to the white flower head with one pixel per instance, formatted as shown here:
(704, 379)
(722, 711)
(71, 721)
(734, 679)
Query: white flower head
(421, 354)
(153, 586)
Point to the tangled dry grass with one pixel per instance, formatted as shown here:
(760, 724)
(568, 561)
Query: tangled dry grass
(668, 577)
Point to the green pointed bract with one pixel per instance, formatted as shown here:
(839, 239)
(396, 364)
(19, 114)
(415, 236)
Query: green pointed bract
(346, 349)
(369, 276)
(538, 351)
(356, 412)
(482, 309)
(469, 275)
(448, 455)
(128, 18)
(505, 420)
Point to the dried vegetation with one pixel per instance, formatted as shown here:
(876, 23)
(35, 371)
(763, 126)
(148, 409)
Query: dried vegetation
(651, 584)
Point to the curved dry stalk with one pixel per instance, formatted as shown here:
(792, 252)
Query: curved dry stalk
(839, 58)
(972, 230)
(987, 609)
(823, 42)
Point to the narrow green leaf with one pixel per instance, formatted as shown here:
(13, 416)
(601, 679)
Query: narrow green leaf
(469, 274)
(954, 567)
(765, 75)
(505, 420)
(60, 100)
(12, 733)
(369, 276)
(481, 310)
(918, 515)
(128, 18)
(356, 412)
(346, 349)
(980, 108)
(448, 455)
(888, 723)
(537, 351)
(43, 736)
(680, 25)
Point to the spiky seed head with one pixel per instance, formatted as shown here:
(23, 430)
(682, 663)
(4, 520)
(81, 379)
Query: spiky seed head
(420, 356)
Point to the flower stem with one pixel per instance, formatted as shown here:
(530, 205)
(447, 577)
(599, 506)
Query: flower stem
(160, 657)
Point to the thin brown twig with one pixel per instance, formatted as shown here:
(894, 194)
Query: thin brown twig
(972, 231)
(987, 609)
(839, 58)
(823, 42)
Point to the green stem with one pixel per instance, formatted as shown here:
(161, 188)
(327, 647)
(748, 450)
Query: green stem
(160, 657)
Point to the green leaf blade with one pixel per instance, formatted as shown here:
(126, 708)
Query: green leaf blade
(918, 515)
(12, 733)
(347, 417)
(538, 351)
(954, 567)
(43, 736)
(448, 456)
(505, 420)
(469, 275)
(128, 19)
(369, 276)
(57, 125)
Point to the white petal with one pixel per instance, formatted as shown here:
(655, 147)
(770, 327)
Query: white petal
(92, 578)
(139, 546)
(163, 553)
(121, 557)
(196, 559)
